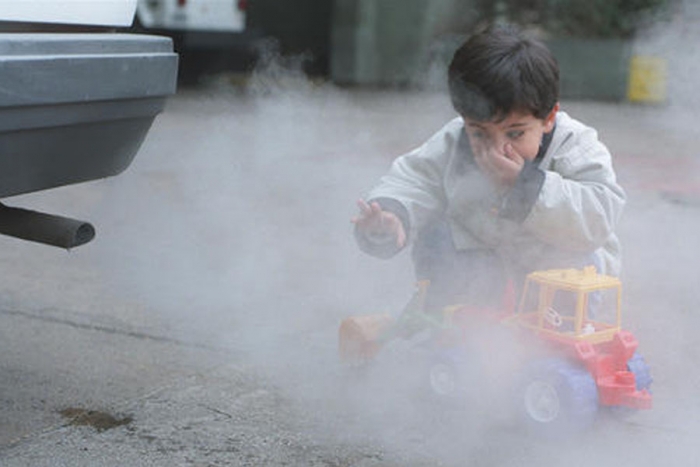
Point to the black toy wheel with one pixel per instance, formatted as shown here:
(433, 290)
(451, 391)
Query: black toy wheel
(557, 398)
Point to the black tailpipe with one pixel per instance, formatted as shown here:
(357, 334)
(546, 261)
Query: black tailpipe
(44, 228)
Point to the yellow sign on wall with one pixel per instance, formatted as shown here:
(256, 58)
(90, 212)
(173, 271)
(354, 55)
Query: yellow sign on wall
(647, 82)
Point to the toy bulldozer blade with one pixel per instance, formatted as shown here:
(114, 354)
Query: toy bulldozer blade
(361, 337)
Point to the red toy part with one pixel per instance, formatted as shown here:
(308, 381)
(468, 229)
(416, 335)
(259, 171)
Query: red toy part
(607, 362)
(617, 385)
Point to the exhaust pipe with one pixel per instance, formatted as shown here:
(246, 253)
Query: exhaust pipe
(44, 228)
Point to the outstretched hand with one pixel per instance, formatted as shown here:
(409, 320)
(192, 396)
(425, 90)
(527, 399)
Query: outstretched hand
(373, 221)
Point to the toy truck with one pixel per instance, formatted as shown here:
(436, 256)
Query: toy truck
(578, 357)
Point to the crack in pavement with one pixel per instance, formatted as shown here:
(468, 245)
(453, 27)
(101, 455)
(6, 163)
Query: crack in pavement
(113, 331)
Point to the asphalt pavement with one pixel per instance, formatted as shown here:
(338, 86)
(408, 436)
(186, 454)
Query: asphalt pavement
(199, 327)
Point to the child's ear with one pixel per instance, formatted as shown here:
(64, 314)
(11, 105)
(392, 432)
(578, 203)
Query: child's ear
(551, 118)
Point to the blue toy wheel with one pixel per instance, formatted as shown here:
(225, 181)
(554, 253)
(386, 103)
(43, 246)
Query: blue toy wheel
(557, 398)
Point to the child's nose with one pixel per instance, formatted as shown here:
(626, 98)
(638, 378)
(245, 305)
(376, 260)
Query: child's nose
(497, 144)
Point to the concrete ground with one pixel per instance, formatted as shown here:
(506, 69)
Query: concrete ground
(199, 327)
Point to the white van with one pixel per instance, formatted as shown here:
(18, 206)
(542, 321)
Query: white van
(209, 35)
(97, 13)
(214, 17)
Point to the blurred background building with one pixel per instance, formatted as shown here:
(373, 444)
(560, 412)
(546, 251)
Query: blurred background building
(640, 51)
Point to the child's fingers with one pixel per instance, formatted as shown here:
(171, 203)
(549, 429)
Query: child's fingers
(364, 207)
(370, 213)
(366, 212)
(512, 154)
(369, 209)
(372, 217)
(503, 167)
(401, 236)
(486, 163)
(376, 208)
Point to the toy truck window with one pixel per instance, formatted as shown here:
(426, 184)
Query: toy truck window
(603, 306)
(561, 309)
(535, 306)
(538, 297)
(530, 297)
(569, 310)
(571, 302)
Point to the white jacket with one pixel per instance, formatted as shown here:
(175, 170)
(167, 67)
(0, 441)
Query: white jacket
(562, 212)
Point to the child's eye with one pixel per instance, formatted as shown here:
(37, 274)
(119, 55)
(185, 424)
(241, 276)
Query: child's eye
(478, 134)
(515, 134)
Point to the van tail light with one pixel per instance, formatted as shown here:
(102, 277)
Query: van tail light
(242, 5)
(181, 3)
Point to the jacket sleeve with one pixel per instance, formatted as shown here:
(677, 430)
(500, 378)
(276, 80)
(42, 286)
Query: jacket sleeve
(579, 202)
(413, 188)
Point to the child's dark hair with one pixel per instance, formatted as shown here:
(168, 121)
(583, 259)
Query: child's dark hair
(500, 70)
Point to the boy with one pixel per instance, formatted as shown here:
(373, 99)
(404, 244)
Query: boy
(512, 185)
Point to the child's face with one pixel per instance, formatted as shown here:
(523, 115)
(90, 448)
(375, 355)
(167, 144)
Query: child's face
(522, 130)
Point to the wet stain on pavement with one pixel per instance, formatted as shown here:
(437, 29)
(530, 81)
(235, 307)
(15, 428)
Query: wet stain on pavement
(101, 421)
